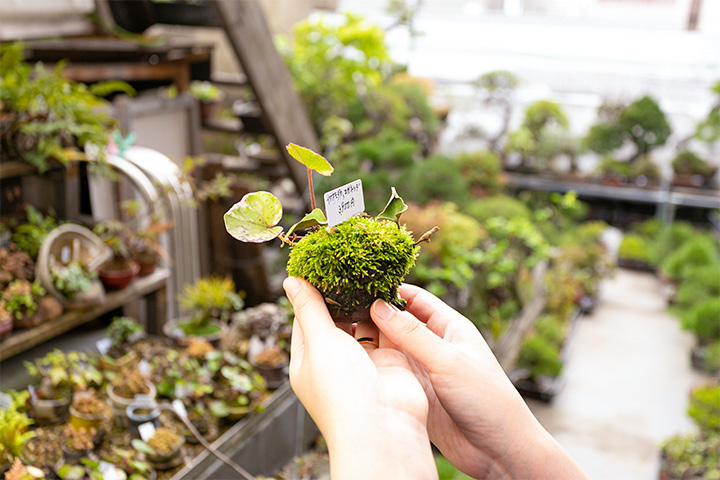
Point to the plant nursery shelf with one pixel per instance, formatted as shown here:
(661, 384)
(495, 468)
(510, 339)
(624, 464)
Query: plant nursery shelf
(661, 197)
(153, 287)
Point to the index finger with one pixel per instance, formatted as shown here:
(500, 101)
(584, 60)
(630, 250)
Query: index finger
(432, 311)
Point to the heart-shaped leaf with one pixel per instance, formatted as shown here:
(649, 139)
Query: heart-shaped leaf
(312, 219)
(310, 159)
(254, 218)
(394, 208)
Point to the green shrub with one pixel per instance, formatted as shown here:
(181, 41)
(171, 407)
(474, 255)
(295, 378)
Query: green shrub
(610, 167)
(669, 240)
(704, 407)
(503, 206)
(540, 356)
(689, 163)
(699, 250)
(437, 178)
(647, 168)
(712, 357)
(633, 247)
(704, 319)
(649, 228)
(696, 455)
(551, 328)
(482, 169)
(697, 284)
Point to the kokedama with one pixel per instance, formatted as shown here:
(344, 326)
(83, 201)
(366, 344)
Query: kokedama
(352, 263)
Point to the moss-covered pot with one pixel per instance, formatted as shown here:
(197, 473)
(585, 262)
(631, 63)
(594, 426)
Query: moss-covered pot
(354, 263)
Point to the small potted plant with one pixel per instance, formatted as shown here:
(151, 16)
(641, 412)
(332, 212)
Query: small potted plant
(15, 429)
(72, 281)
(208, 94)
(352, 263)
(120, 270)
(87, 410)
(122, 332)
(58, 375)
(270, 363)
(140, 412)
(211, 302)
(78, 443)
(162, 449)
(125, 387)
(129, 461)
(689, 170)
(204, 422)
(21, 301)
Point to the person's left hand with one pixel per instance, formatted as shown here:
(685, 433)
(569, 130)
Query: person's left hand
(363, 397)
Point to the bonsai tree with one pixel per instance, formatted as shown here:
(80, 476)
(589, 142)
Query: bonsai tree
(496, 89)
(351, 263)
(641, 124)
(542, 136)
(210, 300)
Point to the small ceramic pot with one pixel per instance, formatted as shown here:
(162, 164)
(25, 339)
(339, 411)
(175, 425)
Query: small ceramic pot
(274, 376)
(114, 279)
(50, 411)
(141, 412)
(84, 420)
(120, 404)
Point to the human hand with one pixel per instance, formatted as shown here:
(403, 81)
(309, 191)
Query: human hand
(476, 417)
(364, 398)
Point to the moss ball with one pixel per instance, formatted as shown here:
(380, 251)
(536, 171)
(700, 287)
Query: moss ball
(355, 262)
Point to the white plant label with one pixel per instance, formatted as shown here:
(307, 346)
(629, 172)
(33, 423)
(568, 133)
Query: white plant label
(179, 407)
(147, 430)
(144, 367)
(103, 345)
(344, 202)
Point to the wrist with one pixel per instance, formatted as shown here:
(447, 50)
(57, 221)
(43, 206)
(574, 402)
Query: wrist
(391, 444)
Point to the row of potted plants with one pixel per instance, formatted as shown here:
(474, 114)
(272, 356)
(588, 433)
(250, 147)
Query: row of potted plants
(687, 261)
(86, 412)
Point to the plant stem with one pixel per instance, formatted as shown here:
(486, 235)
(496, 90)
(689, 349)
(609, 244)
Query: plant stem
(312, 191)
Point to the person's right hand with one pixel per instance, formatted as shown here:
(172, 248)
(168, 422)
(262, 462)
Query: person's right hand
(476, 419)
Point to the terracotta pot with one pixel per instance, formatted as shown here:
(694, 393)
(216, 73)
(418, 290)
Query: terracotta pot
(116, 276)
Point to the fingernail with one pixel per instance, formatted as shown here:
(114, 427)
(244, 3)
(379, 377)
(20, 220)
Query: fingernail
(292, 287)
(383, 310)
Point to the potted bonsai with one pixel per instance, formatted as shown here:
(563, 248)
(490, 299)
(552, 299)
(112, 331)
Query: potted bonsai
(78, 443)
(351, 263)
(122, 332)
(119, 271)
(124, 389)
(211, 302)
(29, 305)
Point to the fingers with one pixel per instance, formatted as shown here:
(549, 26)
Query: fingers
(310, 310)
(432, 311)
(409, 333)
(297, 351)
(367, 335)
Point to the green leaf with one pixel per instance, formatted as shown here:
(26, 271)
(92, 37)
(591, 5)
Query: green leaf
(394, 208)
(254, 218)
(312, 219)
(142, 447)
(219, 409)
(71, 472)
(310, 159)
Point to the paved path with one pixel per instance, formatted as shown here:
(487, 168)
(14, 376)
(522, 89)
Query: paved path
(628, 378)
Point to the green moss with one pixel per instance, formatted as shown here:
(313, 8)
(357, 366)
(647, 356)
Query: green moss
(704, 407)
(356, 261)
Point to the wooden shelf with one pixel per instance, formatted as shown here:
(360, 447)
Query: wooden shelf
(153, 284)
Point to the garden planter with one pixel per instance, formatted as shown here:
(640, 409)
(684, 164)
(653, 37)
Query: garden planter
(50, 411)
(635, 264)
(140, 413)
(6, 326)
(118, 273)
(251, 117)
(172, 330)
(84, 420)
(125, 361)
(120, 404)
(274, 376)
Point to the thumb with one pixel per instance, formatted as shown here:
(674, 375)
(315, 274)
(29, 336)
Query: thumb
(410, 334)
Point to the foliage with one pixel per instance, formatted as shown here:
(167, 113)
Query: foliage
(330, 62)
(482, 169)
(29, 236)
(668, 240)
(21, 296)
(696, 455)
(646, 168)
(698, 283)
(14, 428)
(47, 116)
(634, 247)
(124, 330)
(542, 135)
(551, 328)
(60, 373)
(712, 357)
(687, 162)
(540, 356)
(609, 167)
(704, 407)
(359, 255)
(72, 279)
(204, 91)
(709, 129)
(437, 178)
(210, 298)
(702, 319)
(504, 206)
(699, 250)
(641, 123)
